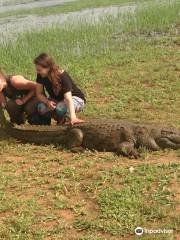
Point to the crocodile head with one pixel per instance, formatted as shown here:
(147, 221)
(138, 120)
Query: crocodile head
(155, 138)
(168, 139)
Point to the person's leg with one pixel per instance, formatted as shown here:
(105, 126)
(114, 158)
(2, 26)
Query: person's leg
(15, 112)
(44, 113)
(62, 111)
(30, 108)
(79, 104)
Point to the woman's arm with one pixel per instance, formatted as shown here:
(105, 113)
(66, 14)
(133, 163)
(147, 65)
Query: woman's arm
(26, 98)
(41, 97)
(70, 105)
(20, 83)
(40, 93)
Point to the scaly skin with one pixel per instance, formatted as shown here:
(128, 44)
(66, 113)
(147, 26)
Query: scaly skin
(101, 135)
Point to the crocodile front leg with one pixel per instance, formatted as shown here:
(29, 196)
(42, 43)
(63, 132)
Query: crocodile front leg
(75, 139)
(127, 144)
(127, 149)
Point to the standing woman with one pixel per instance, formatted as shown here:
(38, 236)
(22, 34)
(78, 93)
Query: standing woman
(65, 98)
(17, 97)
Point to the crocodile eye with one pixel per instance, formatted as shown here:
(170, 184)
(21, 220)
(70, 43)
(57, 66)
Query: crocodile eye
(164, 132)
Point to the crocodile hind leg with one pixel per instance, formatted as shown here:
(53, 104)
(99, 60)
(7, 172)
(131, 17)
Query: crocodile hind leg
(127, 149)
(74, 140)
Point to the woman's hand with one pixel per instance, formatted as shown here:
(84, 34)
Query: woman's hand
(76, 121)
(51, 105)
(20, 102)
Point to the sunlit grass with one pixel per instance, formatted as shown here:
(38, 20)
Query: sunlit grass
(155, 17)
(127, 71)
(124, 74)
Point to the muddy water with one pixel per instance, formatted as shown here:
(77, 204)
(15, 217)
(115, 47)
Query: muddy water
(11, 26)
(13, 2)
(7, 6)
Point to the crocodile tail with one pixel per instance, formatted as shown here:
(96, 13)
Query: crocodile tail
(38, 134)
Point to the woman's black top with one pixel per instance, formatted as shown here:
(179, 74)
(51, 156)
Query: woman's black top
(67, 85)
(11, 92)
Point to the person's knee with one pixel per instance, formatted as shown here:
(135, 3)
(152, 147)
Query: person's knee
(31, 107)
(13, 108)
(15, 112)
(42, 108)
(61, 109)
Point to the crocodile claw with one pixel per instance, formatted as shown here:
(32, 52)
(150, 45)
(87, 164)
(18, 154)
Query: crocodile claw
(127, 149)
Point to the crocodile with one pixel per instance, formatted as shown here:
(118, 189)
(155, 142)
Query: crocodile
(110, 135)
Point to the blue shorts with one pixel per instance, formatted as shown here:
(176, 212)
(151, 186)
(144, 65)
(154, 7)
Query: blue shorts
(61, 108)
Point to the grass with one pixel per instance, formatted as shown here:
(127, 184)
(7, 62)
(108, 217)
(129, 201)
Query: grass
(68, 7)
(143, 71)
(121, 210)
(147, 18)
(48, 194)
(127, 71)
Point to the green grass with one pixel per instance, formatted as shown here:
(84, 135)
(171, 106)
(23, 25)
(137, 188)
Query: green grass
(69, 7)
(155, 17)
(123, 75)
(127, 71)
(121, 210)
(56, 194)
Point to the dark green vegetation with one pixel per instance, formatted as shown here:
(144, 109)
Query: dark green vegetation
(129, 69)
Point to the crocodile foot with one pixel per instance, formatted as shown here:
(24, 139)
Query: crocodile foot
(127, 149)
(74, 138)
(77, 149)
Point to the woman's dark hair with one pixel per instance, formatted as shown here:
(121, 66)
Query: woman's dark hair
(46, 61)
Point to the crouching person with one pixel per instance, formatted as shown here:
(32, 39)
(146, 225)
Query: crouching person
(65, 98)
(17, 96)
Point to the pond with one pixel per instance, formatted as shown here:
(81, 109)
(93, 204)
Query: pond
(10, 27)
(8, 6)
